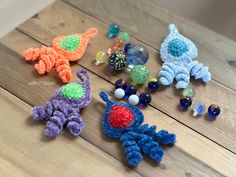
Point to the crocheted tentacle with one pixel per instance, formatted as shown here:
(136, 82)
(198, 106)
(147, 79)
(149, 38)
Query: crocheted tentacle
(83, 75)
(132, 150)
(173, 29)
(90, 33)
(75, 123)
(43, 112)
(164, 137)
(199, 71)
(63, 69)
(167, 73)
(103, 95)
(31, 54)
(182, 78)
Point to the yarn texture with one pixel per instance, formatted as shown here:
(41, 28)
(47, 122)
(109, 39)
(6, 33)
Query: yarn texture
(63, 108)
(125, 122)
(64, 49)
(177, 53)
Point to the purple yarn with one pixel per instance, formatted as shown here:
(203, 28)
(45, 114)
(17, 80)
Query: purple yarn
(61, 111)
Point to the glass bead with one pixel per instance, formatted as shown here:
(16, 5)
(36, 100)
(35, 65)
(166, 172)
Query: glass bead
(120, 83)
(198, 109)
(127, 47)
(213, 111)
(189, 92)
(100, 57)
(153, 85)
(185, 103)
(117, 45)
(117, 61)
(137, 55)
(113, 30)
(153, 79)
(130, 90)
(124, 36)
(144, 99)
(119, 93)
(139, 74)
(133, 100)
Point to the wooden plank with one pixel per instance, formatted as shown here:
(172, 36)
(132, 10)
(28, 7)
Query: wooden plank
(24, 151)
(148, 22)
(193, 154)
(50, 23)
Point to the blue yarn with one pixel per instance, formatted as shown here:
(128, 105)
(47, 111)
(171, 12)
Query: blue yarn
(177, 47)
(136, 138)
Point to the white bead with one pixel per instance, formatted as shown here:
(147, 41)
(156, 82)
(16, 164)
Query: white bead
(119, 93)
(133, 100)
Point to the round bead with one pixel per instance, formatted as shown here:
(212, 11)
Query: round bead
(144, 99)
(100, 57)
(127, 47)
(137, 55)
(113, 30)
(130, 90)
(153, 85)
(185, 103)
(198, 109)
(119, 93)
(153, 79)
(139, 74)
(115, 46)
(120, 83)
(133, 100)
(124, 36)
(189, 92)
(117, 60)
(213, 111)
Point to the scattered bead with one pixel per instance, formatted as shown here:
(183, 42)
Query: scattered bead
(185, 103)
(117, 45)
(133, 100)
(124, 36)
(189, 92)
(139, 74)
(153, 79)
(213, 111)
(130, 90)
(117, 60)
(113, 30)
(127, 47)
(198, 109)
(153, 84)
(119, 93)
(120, 83)
(144, 99)
(100, 57)
(137, 55)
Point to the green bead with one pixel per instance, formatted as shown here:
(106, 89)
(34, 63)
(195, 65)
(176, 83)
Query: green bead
(124, 36)
(189, 92)
(73, 91)
(70, 43)
(139, 74)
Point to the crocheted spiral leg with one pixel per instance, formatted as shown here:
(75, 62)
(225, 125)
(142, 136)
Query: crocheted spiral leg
(182, 78)
(75, 124)
(131, 149)
(199, 71)
(63, 69)
(42, 112)
(31, 54)
(55, 124)
(164, 137)
(167, 73)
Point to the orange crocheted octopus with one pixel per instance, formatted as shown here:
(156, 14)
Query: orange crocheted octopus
(64, 49)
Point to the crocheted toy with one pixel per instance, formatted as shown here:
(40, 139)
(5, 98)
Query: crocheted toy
(64, 49)
(124, 121)
(177, 53)
(64, 106)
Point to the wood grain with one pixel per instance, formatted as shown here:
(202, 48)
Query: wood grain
(193, 154)
(50, 23)
(148, 22)
(24, 151)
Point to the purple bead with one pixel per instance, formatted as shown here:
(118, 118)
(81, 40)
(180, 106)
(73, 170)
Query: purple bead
(120, 83)
(153, 86)
(130, 90)
(144, 99)
(213, 111)
(127, 47)
(185, 103)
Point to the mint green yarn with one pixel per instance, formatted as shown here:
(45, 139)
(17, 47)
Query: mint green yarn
(70, 43)
(73, 91)
(139, 74)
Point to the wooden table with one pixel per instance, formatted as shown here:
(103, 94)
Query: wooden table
(203, 148)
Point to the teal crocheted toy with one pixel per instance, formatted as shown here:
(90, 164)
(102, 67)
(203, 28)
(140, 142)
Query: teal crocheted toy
(177, 53)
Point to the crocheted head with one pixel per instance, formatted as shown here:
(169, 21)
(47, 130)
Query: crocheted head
(177, 53)
(64, 49)
(124, 121)
(64, 106)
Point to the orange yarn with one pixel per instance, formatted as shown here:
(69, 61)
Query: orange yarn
(64, 49)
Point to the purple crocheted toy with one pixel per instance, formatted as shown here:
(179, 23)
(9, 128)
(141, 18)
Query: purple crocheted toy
(63, 108)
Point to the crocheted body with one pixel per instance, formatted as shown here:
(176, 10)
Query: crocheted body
(124, 121)
(63, 109)
(177, 53)
(64, 49)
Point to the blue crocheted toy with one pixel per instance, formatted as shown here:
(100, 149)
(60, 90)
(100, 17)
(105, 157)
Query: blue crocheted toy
(177, 53)
(124, 121)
